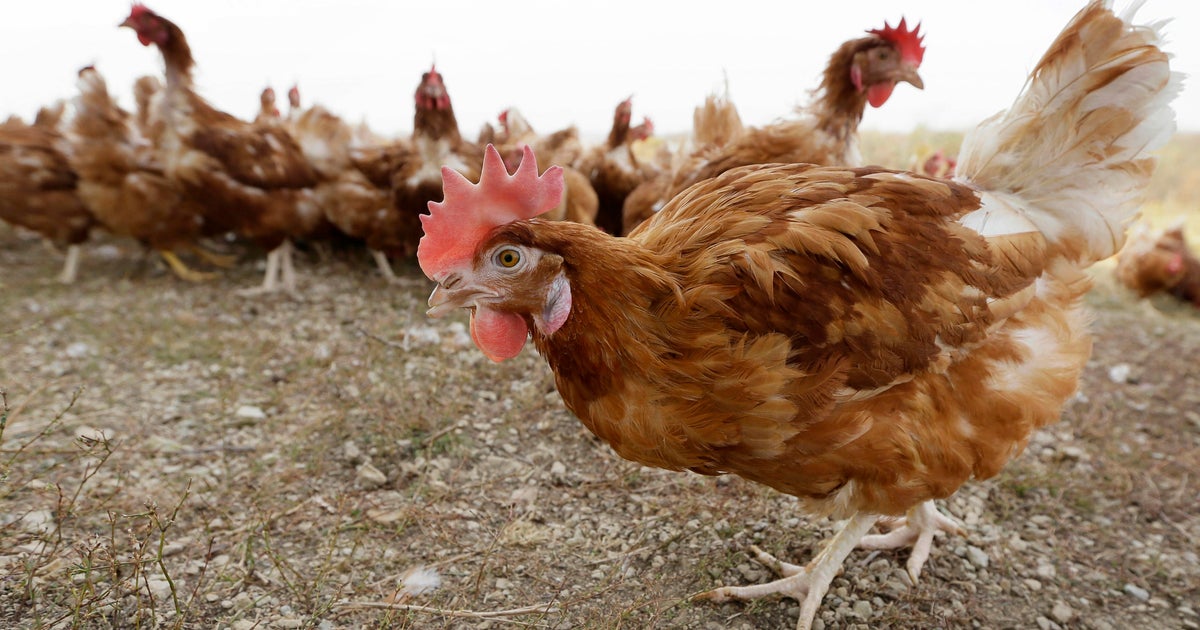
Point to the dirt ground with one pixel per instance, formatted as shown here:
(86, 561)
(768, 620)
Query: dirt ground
(180, 456)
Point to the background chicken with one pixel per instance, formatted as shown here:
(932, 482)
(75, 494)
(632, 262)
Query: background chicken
(860, 72)
(580, 202)
(267, 111)
(121, 180)
(1160, 262)
(613, 167)
(416, 177)
(38, 187)
(866, 340)
(249, 179)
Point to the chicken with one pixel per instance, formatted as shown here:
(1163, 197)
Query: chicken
(580, 202)
(416, 178)
(938, 164)
(38, 187)
(860, 72)
(267, 111)
(122, 182)
(866, 340)
(1160, 262)
(249, 179)
(613, 168)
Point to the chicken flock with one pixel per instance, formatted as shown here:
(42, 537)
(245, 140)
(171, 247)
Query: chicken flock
(177, 172)
(864, 339)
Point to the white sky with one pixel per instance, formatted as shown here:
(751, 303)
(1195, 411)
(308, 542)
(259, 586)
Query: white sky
(560, 62)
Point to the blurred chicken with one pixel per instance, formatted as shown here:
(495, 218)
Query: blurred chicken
(416, 179)
(1160, 262)
(121, 180)
(937, 164)
(863, 339)
(860, 72)
(38, 187)
(250, 179)
(267, 111)
(613, 167)
(715, 124)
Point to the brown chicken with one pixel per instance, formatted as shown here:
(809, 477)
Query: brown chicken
(613, 167)
(267, 111)
(860, 72)
(579, 202)
(38, 187)
(416, 179)
(1160, 262)
(249, 179)
(866, 340)
(121, 180)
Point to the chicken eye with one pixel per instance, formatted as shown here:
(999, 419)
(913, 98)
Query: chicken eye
(508, 257)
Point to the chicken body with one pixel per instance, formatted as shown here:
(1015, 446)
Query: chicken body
(122, 180)
(613, 168)
(251, 179)
(866, 340)
(38, 187)
(861, 71)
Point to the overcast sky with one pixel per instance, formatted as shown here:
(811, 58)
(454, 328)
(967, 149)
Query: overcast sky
(560, 62)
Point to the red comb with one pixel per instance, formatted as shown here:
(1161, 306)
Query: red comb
(906, 41)
(455, 226)
(139, 10)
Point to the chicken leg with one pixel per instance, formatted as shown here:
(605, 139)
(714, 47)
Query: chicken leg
(385, 267)
(70, 265)
(807, 584)
(224, 261)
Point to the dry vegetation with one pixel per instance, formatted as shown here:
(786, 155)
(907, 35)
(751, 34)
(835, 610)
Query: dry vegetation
(177, 456)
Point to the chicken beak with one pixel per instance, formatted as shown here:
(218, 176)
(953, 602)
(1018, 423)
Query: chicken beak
(444, 301)
(908, 74)
(127, 23)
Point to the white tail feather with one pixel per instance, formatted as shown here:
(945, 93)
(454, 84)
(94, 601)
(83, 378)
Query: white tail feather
(1071, 157)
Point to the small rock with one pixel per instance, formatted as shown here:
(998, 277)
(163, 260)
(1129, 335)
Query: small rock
(1032, 584)
(1045, 624)
(558, 469)
(503, 584)
(1061, 612)
(370, 476)
(1119, 373)
(38, 522)
(244, 624)
(1046, 571)
(160, 589)
(862, 609)
(351, 452)
(288, 622)
(1137, 592)
(977, 557)
(78, 350)
(250, 412)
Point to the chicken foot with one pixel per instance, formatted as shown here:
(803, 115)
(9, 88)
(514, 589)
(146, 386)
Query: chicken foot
(915, 530)
(182, 270)
(224, 261)
(385, 267)
(807, 584)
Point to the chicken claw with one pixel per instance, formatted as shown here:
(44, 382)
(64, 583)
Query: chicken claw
(182, 270)
(807, 584)
(916, 530)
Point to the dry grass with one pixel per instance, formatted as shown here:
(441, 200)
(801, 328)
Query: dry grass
(177, 456)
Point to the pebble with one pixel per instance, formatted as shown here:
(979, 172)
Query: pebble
(289, 622)
(977, 557)
(1032, 584)
(160, 589)
(862, 609)
(244, 624)
(369, 476)
(1061, 612)
(250, 412)
(78, 350)
(1137, 592)
(1045, 624)
(1046, 571)
(1119, 373)
(38, 522)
